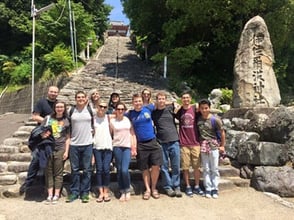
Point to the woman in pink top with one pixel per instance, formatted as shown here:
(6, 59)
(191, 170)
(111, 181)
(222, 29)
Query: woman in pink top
(124, 147)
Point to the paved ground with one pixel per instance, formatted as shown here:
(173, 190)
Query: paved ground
(10, 122)
(238, 203)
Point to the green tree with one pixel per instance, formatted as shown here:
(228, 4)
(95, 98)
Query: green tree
(59, 60)
(52, 28)
(212, 28)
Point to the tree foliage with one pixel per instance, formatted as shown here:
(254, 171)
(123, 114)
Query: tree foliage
(200, 37)
(52, 29)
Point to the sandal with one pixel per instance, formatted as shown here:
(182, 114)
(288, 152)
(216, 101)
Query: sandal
(99, 199)
(155, 194)
(146, 195)
(107, 199)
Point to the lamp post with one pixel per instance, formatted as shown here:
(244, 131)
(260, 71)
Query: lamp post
(89, 43)
(34, 13)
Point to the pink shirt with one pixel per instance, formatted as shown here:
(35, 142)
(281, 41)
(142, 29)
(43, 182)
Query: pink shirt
(121, 132)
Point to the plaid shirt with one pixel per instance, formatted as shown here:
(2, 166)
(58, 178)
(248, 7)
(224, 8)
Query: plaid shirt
(207, 145)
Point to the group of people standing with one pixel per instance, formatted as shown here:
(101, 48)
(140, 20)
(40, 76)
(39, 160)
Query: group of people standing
(96, 132)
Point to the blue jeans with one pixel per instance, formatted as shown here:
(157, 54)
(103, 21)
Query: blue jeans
(171, 154)
(102, 161)
(122, 157)
(210, 170)
(80, 159)
(33, 168)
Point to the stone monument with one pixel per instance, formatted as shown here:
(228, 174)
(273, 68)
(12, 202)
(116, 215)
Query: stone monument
(255, 83)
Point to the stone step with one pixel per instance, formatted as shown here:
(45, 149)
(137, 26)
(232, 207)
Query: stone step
(13, 141)
(18, 157)
(21, 134)
(228, 171)
(8, 149)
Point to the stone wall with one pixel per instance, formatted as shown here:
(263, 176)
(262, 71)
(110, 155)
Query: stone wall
(20, 100)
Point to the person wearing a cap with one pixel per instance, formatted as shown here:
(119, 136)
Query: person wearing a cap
(113, 100)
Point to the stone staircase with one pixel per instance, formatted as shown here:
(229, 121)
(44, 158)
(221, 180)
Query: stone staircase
(127, 76)
(115, 68)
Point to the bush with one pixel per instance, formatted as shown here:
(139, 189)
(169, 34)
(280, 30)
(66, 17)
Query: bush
(59, 60)
(227, 96)
(21, 74)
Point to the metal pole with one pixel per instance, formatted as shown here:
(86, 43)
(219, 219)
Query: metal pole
(71, 32)
(75, 40)
(33, 14)
(117, 48)
(165, 67)
(88, 51)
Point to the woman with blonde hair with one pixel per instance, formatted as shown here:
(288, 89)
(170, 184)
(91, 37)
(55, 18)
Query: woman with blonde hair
(94, 98)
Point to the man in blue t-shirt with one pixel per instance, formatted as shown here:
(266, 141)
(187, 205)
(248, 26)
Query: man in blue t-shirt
(149, 155)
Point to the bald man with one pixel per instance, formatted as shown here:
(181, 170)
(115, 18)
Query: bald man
(42, 108)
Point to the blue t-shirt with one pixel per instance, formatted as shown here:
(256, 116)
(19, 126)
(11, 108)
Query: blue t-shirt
(142, 123)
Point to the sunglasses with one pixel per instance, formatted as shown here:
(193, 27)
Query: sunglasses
(120, 109)
(102, 106)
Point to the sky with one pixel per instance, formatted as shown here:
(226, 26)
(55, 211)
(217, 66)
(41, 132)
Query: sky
(117, 12)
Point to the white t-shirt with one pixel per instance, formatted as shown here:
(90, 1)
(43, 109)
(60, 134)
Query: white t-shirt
(102, 138)
(81, 127)
(121, 132)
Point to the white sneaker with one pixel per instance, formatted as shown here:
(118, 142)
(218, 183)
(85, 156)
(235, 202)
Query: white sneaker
(214, 194)
(55, 200)
(208, 194)
(48, 200)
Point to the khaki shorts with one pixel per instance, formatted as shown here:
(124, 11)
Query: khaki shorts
(190, 156)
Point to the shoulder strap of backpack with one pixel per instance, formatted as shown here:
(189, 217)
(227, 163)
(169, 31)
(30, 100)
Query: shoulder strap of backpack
(72, 108)
(214, 126)
(92, 116)
(212, 120)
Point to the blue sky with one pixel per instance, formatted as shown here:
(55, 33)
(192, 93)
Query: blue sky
(116, 14)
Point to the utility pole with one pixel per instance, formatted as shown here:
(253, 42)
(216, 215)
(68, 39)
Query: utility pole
(34, 13)
(71, 31)
(75, 40)
(164, 67)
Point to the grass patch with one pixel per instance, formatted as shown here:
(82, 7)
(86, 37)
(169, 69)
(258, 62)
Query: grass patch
(12, 88)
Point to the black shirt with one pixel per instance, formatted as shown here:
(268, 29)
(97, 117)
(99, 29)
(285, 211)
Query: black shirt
(44, 107)
(164, 121)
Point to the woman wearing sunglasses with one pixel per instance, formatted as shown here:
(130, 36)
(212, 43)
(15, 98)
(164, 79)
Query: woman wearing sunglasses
(102, 151)
(124, 147)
